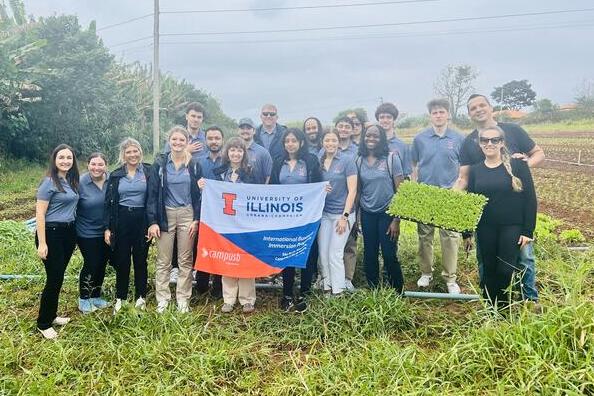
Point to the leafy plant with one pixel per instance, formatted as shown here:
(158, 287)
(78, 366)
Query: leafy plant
(571, 236)
(449, 209)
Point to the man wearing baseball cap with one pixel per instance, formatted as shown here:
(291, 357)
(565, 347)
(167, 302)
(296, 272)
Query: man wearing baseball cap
(259, 159)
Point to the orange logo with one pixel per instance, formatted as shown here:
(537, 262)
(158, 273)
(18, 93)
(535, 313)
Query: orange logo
(229, 199)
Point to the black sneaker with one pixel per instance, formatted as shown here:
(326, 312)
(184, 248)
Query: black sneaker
(300, 305)
(287, 304)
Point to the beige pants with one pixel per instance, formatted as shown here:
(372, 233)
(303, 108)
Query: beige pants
(178, 221)
(244, 288)
(449, 251)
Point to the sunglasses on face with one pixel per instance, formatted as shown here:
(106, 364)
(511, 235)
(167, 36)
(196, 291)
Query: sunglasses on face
(268, 113)
(494, 140)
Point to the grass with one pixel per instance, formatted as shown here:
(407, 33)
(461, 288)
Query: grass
(368, 343)
(583, 125)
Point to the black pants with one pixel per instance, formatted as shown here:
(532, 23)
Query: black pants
(95, 254)
(374, 227)
(130, 241)
(307, 273)
(499, 252)
(60, 239)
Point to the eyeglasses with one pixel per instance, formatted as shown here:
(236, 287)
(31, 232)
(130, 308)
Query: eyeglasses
(494, 140)
(268, 113)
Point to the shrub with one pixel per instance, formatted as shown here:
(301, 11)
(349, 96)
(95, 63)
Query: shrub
(453, 210)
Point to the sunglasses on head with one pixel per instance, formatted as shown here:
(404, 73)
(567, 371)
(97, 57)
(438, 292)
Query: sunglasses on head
(493, 140)
(268, 113)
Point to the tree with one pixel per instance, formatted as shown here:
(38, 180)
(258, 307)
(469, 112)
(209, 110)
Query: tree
(514, 95)
(455, 83)
(361, 114)
(584, 97)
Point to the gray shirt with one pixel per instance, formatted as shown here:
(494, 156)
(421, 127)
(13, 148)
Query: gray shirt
(399, 147)
(89, 213)
(341, 167)
(133, 190)
(377, 188)
(62, 205)
(296, 176)
(260, 161)
(352, 150)
(437, 157)
(177, 190)
(267, 137)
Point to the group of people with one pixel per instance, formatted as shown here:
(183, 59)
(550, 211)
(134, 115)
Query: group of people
(115, 215)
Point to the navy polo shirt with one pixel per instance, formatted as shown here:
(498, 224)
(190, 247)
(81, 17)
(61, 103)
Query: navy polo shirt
(177, 190)
(62, 205)
(437, 157)
(89, 213)
(260, 161)
(341, 167)
(207, 165)
(133, 190)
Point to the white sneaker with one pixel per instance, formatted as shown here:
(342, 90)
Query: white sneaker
(424, 280)
(173, 275)
(453, 288)
(49, 334)
(162, 306)
(117, 306)
(140, 304)
(61, 320)
(348, 286)
(183, 307)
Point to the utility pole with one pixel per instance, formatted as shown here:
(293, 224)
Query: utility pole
(156, 82)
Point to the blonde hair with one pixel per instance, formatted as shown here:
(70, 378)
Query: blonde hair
(124, 145)
(505, 158)
(183, 131)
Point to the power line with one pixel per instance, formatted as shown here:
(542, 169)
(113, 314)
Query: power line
(133, 41)
(430, 21)
(385, 36)
(125, 22)
(376, 3)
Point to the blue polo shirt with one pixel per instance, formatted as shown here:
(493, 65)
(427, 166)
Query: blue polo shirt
(341, 167)
(260, 161)
(313, 149)
(207, 165)
(395, 145)
(133, 190)
(177, 190)
(298, 175)
(377, 187)
(200, 137)
(437, 157)
(62, 205)
(89, 213)
(268, 137)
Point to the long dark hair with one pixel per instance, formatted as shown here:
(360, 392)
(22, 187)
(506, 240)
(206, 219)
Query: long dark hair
(236, 142)
(71, 176)
(381, 149)
(300, 136)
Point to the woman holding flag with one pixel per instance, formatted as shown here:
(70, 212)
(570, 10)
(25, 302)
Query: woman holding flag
(235, 168)
(297, 166)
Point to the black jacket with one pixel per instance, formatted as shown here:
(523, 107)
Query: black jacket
(314, 173)
(245, 177)
(276, 148)
(155, 206)
(112, 198)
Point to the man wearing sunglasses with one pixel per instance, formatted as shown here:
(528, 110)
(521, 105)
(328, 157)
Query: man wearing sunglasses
(520, 145)
(269, 133)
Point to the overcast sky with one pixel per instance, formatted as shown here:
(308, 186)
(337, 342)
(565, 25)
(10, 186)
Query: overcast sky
(322, 72)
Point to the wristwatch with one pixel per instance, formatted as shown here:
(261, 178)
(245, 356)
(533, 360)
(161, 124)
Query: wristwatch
(346, 215)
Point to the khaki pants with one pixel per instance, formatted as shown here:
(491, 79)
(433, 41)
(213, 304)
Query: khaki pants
(178, 221)
(244, 288)
(449, 251)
